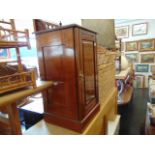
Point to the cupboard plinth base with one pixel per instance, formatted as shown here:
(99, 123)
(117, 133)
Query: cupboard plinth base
(76, 125)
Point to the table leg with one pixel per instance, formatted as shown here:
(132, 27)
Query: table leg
(14, 119)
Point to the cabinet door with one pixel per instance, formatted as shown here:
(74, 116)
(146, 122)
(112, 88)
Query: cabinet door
(88, 50)
(53, 68)
(57, 66)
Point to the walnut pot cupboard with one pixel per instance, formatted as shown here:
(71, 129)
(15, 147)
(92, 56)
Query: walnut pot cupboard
(67, 56)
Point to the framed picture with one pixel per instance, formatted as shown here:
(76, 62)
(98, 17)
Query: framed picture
(147, 45)
(147, 58)
(122, 32)
(132, 57)
(152, 68)
(142, 68)
(139, 29)
(132, 46)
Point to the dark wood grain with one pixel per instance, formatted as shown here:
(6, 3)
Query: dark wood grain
(67, 56)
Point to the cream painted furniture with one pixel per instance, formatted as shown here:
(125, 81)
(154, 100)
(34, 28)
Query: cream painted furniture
(9, 100)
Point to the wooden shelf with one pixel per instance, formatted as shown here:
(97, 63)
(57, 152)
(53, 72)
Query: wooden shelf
(126, 96)
(12, 44)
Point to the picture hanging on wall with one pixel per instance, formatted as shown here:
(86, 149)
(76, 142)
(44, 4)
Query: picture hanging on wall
(132, 57)
(152, 68)
(139, 29)
(132, 46)
(142, 68)
(147, 45)
(147, 58)
(122, 32)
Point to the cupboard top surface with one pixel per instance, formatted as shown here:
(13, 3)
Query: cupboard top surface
(64, 27)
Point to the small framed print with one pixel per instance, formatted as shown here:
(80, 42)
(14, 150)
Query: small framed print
(147, 58)
(139, 29)
(122, 32)
(142, 68)
(152, 68)
(132, 57)
(132, 46)
(147, 45)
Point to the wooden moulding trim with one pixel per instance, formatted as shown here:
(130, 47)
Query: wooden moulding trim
(63, 27)
(78, 126)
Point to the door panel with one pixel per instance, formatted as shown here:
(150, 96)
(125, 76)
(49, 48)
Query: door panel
(89, 74)
(53, 62)
(61, 98)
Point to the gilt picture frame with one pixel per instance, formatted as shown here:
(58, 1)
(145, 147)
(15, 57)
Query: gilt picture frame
(152, 68)
(132, 57)
(142, 68)
(147, 45)
(122, 32)
(132, 46)
(139, 29)
(147, 58)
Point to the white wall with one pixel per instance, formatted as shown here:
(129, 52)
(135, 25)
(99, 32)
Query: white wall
(131, 22)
